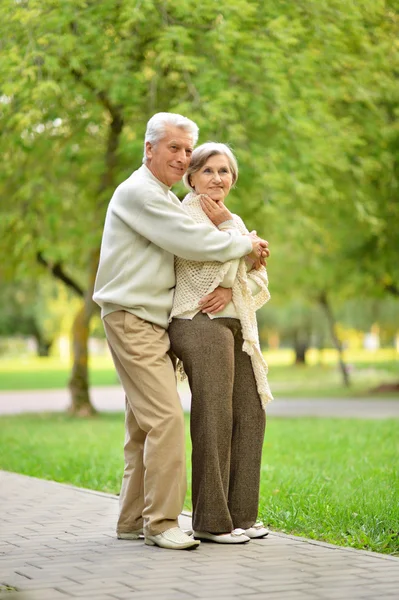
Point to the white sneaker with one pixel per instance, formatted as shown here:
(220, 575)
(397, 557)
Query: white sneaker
(237, 536)
(172, 539)
(257, 531)
(131, 535)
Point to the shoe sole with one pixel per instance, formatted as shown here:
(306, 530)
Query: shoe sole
(207, 541)
(225, 542)
(130, 536)
(258, 537)
(188, 546)
(140, 536)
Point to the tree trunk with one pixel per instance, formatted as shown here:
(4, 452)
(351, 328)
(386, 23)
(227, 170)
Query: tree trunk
(43, 344)
(300, 346)
(337, 343)
(300, 353)
(43, 347)
(393, 289)
(79, 381)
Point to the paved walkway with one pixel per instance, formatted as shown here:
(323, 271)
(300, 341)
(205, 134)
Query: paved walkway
(57, 542)
(111, 398)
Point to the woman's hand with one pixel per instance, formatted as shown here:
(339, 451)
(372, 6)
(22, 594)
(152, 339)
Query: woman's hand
(216, 211)
(254, 265)
(216, 300)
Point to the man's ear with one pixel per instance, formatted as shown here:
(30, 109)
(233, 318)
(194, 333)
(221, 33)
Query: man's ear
(148, 150)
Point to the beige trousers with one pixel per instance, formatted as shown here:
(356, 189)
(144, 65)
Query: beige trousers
(154, 479)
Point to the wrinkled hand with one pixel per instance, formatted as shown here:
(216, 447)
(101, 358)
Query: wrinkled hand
(260, 249)
(260, 261)
(216, 300)
(216, 211)
(254, 264)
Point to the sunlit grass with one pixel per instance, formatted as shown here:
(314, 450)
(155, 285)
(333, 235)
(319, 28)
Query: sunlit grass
(321, 377)
(330, 479)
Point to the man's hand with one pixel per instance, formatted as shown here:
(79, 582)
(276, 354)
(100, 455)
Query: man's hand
(216, 211)
(260, 249)
(216, 300)
(265, 253)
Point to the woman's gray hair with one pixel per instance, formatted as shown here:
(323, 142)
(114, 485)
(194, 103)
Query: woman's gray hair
(157, 124)
(203, 153)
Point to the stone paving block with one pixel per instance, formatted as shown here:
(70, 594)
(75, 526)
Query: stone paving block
(205, 580)
(394, 579)
(388, 588)
(222, 596)
(171, 594)
(348, 592)
(343, 577)
(386, 570)
(298, 595)
(138, 570)
(51, 582)
(91, 597)
(284, 586)
(280, 572)
(235, 592)
(386, 596)
(93, 589)
(44, 594)
(13, 579)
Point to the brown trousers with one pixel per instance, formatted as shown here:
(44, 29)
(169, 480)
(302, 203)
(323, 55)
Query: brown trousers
(154, 479)
(227, 422)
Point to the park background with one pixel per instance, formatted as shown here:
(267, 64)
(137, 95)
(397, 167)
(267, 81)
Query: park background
(306, 93)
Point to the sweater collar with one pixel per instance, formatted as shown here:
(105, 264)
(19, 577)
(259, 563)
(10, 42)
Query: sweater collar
(147, 173)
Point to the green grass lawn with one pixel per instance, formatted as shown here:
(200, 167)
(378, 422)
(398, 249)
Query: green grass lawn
(329, 479)
(321, 378)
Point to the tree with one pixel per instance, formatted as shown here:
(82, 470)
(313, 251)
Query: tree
(307, 103)
(19, 316)
(298, 323)
(36, 308)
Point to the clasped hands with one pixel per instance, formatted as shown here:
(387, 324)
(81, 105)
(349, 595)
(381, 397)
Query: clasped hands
(218, 214)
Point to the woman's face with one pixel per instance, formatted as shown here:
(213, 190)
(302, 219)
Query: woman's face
(214, 178)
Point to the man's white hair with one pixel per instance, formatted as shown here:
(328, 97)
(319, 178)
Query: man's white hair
(157, 124)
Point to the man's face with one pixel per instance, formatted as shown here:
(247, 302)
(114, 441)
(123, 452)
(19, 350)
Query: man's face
(169, 158)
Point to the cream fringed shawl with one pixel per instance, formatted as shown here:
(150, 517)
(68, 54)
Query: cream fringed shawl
(197, 279)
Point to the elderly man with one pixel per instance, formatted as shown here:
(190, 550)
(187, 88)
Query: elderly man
(144, 228)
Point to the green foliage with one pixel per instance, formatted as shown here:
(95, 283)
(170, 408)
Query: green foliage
(38, 308)
(329, 479)
(306, 94)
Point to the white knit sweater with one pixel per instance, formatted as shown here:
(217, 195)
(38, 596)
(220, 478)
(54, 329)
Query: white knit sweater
(195, 280)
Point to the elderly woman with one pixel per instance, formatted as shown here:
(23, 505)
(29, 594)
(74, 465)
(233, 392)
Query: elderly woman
(218, 344)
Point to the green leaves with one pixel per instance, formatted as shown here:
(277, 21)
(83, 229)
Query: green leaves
(305, 93)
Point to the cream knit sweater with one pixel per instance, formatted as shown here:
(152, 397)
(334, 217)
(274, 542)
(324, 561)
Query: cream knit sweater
(195, 280)
(144, 229)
